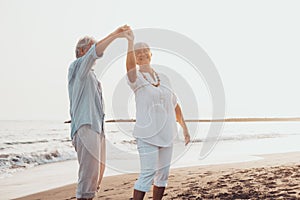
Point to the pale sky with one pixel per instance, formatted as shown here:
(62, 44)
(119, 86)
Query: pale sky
(254, 45)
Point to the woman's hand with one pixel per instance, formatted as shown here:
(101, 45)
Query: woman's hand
(118, 33)
(187, 137)
(121, 31)
(129, 35)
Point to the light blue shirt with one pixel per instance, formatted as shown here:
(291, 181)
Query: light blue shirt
(85, 94)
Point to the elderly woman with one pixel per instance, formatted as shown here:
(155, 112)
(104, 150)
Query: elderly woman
(156, 114)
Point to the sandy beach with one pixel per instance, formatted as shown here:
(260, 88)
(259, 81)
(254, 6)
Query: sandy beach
(276, 176)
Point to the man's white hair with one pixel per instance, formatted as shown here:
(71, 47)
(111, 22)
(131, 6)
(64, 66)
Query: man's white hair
(82, 43)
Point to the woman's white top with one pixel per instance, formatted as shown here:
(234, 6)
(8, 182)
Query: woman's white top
(155, 110)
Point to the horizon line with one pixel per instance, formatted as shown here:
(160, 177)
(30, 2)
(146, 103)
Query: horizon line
(246, 119)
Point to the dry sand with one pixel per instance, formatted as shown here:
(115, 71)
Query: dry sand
(277, 176)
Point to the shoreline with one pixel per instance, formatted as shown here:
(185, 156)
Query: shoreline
(63, 173)
(185, 181)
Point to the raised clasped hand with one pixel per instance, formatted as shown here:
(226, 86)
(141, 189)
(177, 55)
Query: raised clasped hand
(129, 35)
(124, 32)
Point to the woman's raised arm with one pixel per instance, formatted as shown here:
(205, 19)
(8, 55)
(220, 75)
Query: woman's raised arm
(130, 61)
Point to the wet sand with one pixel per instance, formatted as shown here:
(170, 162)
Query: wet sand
(277, 176)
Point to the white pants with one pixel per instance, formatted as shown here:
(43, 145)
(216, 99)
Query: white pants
(90, 148)
(155, 165)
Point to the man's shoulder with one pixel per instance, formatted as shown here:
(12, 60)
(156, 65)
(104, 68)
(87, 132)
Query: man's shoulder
(73, 68)
(76, 62)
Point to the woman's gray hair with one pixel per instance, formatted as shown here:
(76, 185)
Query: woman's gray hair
(141, 45)
(82, 43)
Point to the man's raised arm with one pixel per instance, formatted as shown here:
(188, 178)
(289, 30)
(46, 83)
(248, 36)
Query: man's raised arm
(103, 44)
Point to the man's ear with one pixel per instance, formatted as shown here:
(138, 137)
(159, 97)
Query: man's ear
(81, 51)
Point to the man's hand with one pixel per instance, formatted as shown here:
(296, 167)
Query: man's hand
(120, 32)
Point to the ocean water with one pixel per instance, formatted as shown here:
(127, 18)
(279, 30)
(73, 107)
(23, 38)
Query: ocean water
(26, 144)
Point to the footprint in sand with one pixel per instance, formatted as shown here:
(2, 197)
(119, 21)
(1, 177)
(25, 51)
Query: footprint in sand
(221, 185)
(244, 180)
(195, 188)
(249, 185)
(292, 185)
(292, 192)
(210, 182)
(271, 186)
(208, 196)
(106, 190)
(71, 198)
(221, 181)
(208, 173)
(191, 178)
(296, 176)
(238, 187)
(274, 192)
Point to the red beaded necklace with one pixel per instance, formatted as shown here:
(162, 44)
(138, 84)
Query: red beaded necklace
(157, 78)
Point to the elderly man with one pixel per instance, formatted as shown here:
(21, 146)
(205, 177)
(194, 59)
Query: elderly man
(87, 115)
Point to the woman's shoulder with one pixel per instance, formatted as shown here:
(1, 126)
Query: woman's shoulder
(162, 75)
(164, 79)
